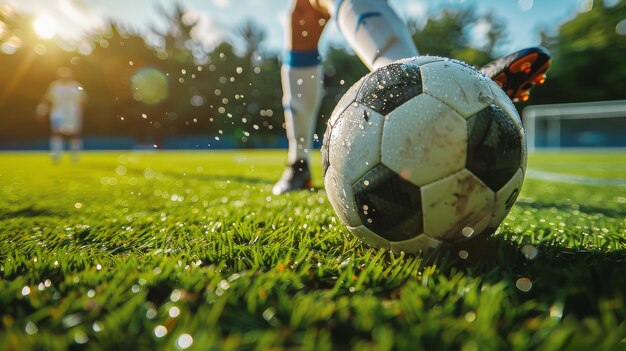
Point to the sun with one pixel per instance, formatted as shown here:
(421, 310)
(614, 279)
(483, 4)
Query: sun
(45, 27)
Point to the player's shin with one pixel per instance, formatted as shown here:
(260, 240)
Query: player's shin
(76, 144)
(374, 31)
(56, 147)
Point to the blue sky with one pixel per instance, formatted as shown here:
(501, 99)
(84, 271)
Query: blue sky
(217, 18)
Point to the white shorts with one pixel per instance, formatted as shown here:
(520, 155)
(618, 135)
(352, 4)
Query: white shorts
(65, 124)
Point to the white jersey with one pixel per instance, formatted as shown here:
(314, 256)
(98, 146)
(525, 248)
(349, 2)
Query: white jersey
(66, 98)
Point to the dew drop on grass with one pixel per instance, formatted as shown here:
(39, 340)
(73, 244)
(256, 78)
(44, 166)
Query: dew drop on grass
(269, 314)
(31, 328)
(463, 254)
(556, 310)
(160, 331)
(529, 251)
(175, 295)
(467, 232)
(173, 312)
(97, 326)
(224, 284)
(151, 313)
(184, 341)
(80, 337)
(25, 291)
(524, 284)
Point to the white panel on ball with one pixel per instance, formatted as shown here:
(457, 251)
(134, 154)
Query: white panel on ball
(369, 237)
(456, 207)
(505, 198)
(359, 130)
(341, 197)
(459, 86)
(420, 244)
(421, 60)
(424, 140)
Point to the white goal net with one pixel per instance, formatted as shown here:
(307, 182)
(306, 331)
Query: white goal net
(576, 125)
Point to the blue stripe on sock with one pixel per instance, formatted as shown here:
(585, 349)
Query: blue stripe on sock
(364, 16)
(302, 58)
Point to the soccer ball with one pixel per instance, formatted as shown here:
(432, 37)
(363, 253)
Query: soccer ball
(423, 153)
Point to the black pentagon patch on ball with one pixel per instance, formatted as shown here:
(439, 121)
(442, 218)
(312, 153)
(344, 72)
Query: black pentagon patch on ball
(390, 86)
(494, 150)
(325, 149)
(388, 204)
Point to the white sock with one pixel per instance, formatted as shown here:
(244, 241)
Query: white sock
(374, 31)
(76, 145)
(302, 97)
(56, 147)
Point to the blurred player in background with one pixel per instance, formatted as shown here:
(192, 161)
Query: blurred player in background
(379, 37)
(63, 103)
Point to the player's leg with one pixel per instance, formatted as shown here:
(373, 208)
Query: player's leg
(373, 30)
(301, 76)
(56, 146)
(76, 145)
(519, 72)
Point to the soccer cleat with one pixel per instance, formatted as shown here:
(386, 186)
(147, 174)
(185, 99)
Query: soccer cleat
(295, 177)
(519, 72)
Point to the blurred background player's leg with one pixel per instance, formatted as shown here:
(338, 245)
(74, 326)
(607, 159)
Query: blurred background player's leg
(302, 79)
(76, 144)
(56, 146)
(373, 30)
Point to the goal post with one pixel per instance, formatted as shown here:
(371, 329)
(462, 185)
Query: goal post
(576, 125)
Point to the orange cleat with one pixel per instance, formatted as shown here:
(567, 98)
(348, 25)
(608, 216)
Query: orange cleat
(519, 72)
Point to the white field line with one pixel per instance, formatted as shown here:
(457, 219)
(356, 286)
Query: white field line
(570, 178)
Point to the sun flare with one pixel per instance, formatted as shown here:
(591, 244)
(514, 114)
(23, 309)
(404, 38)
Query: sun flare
(45, 27)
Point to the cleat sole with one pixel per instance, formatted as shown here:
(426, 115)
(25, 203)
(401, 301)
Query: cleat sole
(520, 74)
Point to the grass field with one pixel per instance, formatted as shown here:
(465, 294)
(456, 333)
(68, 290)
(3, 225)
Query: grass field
(190, 250)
